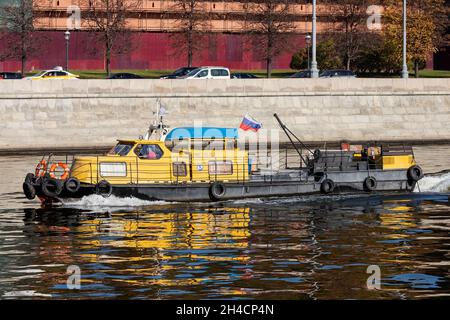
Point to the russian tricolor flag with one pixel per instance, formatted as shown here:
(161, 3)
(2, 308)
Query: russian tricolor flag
(248, 123)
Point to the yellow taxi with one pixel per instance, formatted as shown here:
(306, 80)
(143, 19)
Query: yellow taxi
(56, 73)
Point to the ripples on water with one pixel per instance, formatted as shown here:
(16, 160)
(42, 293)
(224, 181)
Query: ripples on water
(295, 248)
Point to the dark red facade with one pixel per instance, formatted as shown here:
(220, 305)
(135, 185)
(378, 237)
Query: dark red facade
(151, 51)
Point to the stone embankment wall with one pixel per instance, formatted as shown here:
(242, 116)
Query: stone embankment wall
(53, 114)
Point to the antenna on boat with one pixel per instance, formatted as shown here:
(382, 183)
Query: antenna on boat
(288, 133)
(158, 129)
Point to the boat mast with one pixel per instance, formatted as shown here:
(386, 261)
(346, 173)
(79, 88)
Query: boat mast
(288, 133)
(158, 128)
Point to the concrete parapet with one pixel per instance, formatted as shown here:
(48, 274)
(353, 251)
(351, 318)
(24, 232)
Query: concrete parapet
(87, 113)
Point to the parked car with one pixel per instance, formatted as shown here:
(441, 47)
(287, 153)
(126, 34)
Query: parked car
(241, 75)
(124, 76)
(208, 73)
(56, 73)
(10, 75)
(301, 74)
(181, 72)
(337, 74)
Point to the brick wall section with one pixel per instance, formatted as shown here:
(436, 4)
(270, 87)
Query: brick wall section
(89, 113)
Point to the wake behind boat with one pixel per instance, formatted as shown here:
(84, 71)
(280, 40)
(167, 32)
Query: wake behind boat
(207, 164)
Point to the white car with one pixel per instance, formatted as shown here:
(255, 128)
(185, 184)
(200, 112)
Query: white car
(208, 73)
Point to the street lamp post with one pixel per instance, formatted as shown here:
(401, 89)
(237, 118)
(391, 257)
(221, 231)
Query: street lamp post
(308, 43)
(67, 37)
(405, 65)
(314, 70)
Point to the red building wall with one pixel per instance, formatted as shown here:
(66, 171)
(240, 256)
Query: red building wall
(153, 51)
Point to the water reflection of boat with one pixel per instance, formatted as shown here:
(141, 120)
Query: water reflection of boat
(157, 239)
(206, 164)
(296, 249)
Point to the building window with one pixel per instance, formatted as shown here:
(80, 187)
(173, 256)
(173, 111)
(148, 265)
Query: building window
(220, 167)
(179, 169)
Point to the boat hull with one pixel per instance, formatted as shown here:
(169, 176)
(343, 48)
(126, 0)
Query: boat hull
(258, 187)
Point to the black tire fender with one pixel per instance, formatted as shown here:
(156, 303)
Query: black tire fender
(72, 185)
(28, 190)
(327, 186)
(51, 187)
(410, 185)
(317, 153)
(29, 178)
(217, 191)
(370, 183)
(103, 188)
(415, 173)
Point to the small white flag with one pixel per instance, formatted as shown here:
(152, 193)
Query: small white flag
(162, 110)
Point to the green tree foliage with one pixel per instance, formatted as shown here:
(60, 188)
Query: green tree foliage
(299, 60)
(327, 56)
(379, 58)
(425, 24)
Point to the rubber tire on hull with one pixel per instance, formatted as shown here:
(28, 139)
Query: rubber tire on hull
(29, 190)
(217, 191)
(103, 188)
(317, 153)
(415, 173)
(411, 185)
(327, 186)
(29, 177)
(370, 184)
(72, 185)
(51, 187)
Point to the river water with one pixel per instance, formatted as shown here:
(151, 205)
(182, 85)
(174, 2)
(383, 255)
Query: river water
(297, 248)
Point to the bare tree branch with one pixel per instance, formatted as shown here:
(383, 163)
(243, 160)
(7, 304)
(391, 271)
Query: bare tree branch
(17, 31)
(107, 19)
(192, 23)
(271, 23)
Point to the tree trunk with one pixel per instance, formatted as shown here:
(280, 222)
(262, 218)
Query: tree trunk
(23, 58)
(348, 63)
(190, 50)
(23, 63)
(269, 56)
(269, 67)
(416, 69)
(108, 60)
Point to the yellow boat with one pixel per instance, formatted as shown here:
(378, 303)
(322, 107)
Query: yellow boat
(206, 164)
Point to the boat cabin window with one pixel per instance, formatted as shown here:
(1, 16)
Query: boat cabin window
(120, 149)
(179, 169)
(200, 144)
(220, 167)
(149, 151)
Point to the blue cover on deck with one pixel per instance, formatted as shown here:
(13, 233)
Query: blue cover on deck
(202, 133)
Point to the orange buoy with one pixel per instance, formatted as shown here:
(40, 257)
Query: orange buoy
(61, 165)
(41, 168)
